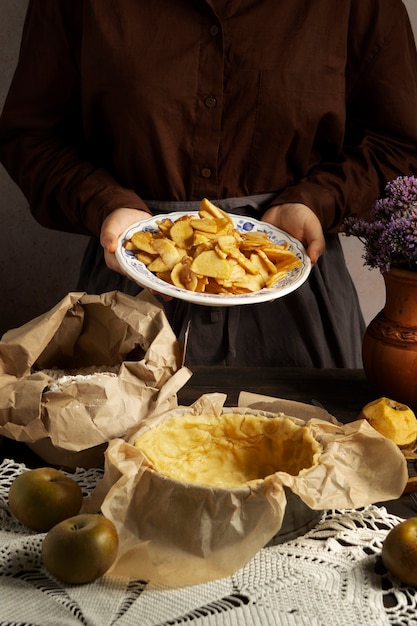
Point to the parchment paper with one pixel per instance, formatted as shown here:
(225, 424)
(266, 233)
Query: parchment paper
(179, 534)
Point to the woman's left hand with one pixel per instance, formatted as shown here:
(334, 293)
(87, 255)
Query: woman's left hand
(299, 221)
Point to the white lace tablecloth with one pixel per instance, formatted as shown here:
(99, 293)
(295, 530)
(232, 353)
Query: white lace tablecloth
(333, 575)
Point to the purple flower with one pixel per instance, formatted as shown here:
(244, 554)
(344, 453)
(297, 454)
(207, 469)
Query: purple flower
(390, 236)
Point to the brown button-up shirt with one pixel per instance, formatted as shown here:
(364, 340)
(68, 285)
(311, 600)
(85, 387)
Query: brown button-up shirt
(116, 102)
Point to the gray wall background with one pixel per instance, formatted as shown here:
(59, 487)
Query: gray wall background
(38, 266)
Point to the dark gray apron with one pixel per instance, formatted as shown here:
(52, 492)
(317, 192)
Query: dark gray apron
(318, 325)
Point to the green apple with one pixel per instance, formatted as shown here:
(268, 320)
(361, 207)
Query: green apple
(42, 497)
(399, 551)
(80, 549)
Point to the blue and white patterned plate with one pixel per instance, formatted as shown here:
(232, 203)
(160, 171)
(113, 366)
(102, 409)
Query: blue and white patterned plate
(138, 272)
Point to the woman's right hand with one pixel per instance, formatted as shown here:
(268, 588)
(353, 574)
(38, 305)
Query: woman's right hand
(113, 226)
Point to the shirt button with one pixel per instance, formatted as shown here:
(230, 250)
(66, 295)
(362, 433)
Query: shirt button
(205, 172)
(214, 30)
(210, 102)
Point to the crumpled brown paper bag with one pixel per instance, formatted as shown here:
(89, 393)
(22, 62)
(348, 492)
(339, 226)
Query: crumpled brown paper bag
(71, 426)
(179, 534)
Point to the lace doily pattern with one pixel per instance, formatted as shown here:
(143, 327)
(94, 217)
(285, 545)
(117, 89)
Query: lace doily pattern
(331, 575)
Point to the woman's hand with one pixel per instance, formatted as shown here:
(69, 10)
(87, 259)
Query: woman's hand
(299, 221)
(113, 226)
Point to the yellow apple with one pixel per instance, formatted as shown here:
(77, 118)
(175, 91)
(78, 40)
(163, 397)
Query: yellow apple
(393, 420)
(42, 497)
(399, 551)
(80, 549)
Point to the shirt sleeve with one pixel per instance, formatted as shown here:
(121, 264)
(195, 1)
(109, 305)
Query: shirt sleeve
(381, 130)
(41, 143)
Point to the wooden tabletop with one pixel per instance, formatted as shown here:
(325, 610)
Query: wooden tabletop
(343, 392)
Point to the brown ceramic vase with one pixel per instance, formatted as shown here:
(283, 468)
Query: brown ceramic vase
(389, 349)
